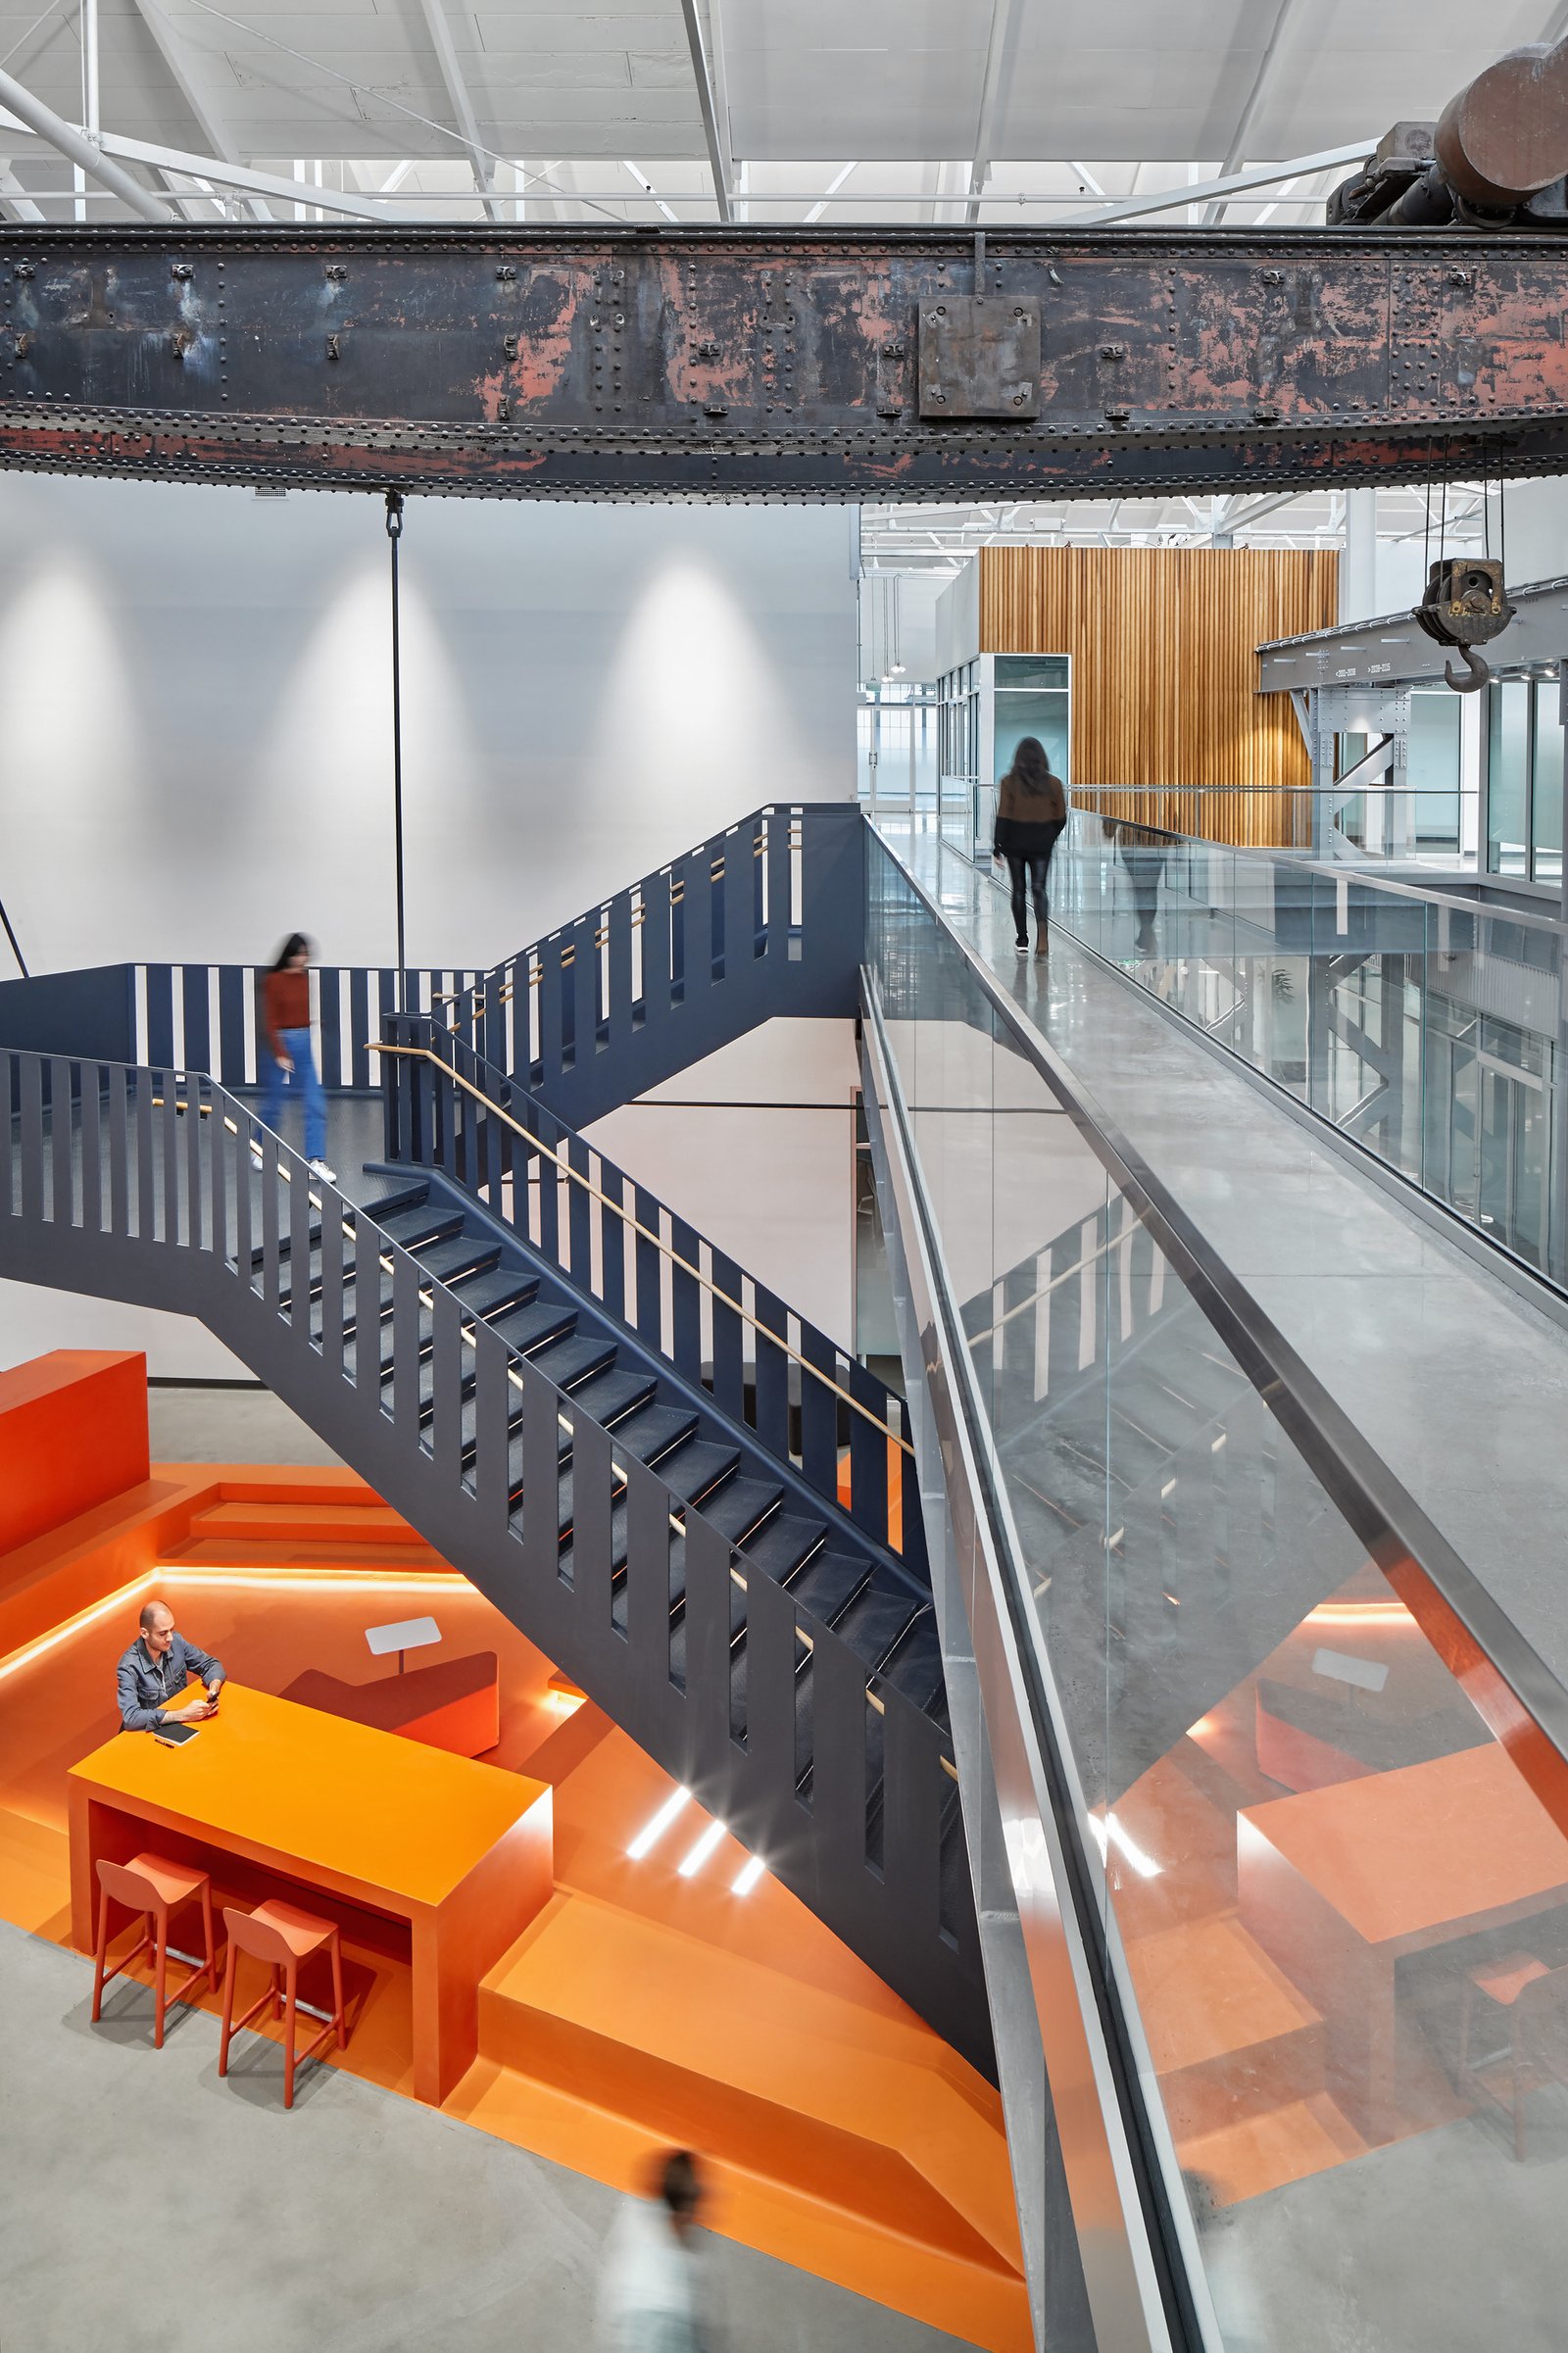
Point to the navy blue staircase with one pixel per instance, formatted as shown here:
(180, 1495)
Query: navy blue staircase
(764, 919)
(694, 1580)
(760, 920)
(779, 1526)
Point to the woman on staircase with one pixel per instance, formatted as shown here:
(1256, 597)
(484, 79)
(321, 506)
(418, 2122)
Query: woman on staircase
(1031, 812)
(289, 1059)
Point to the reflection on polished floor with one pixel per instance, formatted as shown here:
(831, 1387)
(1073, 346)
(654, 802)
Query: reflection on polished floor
(1340, 1902)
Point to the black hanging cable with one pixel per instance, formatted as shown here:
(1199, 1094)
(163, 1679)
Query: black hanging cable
(1502, 520)
(16, 950)
(394, 532)
(1426, 535)
(1443, 534)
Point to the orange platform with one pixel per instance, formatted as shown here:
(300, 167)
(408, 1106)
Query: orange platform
(842, 2134)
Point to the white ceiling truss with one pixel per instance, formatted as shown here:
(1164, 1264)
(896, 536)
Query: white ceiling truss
(955, 111)
(940, 538)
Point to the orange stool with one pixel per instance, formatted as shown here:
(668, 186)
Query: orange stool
(152, 1888)
(282, 1937)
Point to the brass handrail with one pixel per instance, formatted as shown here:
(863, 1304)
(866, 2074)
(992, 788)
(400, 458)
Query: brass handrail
(423, 1054)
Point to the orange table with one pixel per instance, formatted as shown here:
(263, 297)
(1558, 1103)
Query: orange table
(460, 1851)
(1337, 1885)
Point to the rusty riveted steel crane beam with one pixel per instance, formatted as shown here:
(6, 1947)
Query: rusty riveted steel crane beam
(741, 364)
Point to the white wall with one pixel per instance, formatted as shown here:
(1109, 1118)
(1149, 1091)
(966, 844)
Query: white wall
(957, 620)
(1536, 536)
(196, 755)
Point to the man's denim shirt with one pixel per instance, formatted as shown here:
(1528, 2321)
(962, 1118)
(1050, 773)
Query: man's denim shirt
(146, 1684)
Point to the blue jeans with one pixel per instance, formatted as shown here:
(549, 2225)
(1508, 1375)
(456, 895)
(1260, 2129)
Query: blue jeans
(275, 1078)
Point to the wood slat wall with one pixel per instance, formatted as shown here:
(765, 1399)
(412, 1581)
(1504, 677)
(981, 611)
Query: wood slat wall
(1163, 644)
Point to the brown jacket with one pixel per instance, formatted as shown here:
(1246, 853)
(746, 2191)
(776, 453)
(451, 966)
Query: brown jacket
(1028, 823)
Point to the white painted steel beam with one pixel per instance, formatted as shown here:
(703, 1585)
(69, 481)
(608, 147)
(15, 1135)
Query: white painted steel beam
(1230, 184)
(457, 90)
(30, 114)
(206, 167)
(999, 42)
(717, 139)
(720, 68)
(1247, 121)
(21, 204)
(190, 80)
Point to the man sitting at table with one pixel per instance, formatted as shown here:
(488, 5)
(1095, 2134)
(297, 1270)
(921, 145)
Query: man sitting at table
(158, 1664)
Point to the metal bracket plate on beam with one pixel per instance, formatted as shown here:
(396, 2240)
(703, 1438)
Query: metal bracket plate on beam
(980, 356)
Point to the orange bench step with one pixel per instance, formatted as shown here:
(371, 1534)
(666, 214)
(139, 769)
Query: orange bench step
(371, 1522)
(778, 2079)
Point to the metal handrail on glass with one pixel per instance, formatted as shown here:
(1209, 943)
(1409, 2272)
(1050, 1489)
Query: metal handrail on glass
(1305, 1781)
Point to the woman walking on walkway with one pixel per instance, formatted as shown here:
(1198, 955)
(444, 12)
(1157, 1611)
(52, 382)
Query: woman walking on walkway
(290, 1060)
(1031, 812)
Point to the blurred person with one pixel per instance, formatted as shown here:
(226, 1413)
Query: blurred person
(1143, 853)
(156, 1669)
(1227, 2265)
(287, 1020)
(1031, 812)
(654, 2295)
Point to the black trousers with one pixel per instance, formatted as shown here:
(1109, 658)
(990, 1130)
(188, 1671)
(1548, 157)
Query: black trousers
(1029, 876)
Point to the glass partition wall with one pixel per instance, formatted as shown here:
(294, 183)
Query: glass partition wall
(1332, 1909)
(1524, 779)
(988, 706)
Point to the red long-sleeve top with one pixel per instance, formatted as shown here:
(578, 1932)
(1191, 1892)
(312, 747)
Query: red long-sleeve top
(285, 1004)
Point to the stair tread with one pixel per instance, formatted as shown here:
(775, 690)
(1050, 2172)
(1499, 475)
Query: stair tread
(528, 1328)
(461, 1254)
(573, 1357)
(783, 1542)
(497, 1288)
(412, 1229)
(611, 1395)
(653, 1429)
(689, 1470)
(876, 1620)
(828, 1582)
(740, 1504)
(915, 1667)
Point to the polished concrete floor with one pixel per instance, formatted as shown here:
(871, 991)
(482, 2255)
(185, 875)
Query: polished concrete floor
(1459, 1384)
(151, 2208)
(190, 1423)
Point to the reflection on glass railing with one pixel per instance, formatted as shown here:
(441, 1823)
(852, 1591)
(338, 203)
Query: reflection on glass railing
(1423, 1025)
(1337, 1907)
(1395, 827)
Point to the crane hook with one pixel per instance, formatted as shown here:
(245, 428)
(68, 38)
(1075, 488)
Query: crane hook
(1480, 673)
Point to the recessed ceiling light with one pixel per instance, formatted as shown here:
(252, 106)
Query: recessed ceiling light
(704, 1848)
(654, 1829)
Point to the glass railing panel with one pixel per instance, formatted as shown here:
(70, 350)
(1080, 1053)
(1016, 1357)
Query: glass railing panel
(1409, 829)
(1335, 1909)
(1423, 1025)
